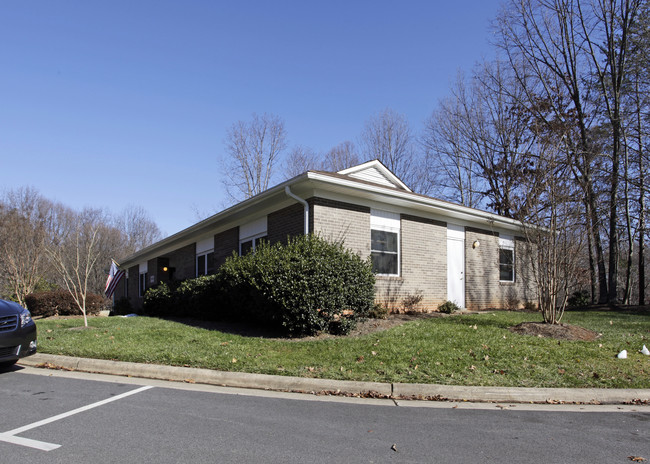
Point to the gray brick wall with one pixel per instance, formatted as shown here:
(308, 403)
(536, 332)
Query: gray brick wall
(423, 267)
(134, 276)
(287, 222)
(483, 289)
(342, 222)
(423, 252)
(224, 244)
(183, 261)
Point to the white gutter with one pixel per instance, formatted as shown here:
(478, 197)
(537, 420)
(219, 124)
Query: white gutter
(288, 191)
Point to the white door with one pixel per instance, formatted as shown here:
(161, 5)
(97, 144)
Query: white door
(456, 270)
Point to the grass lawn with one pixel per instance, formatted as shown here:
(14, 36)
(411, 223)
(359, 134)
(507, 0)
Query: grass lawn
(460, 350)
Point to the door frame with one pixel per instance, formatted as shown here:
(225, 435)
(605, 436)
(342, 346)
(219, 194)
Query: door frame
(456, 254)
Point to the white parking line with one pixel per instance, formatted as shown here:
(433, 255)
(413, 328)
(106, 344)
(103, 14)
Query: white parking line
(10, 437)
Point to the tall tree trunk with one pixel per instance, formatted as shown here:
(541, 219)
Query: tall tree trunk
(613, 216)
(642, 193)
(592, 263)
(642, 227)
(628, 225)
(603, 291)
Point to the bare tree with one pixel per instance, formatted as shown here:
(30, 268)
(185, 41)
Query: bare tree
(73, 252)
(387, 137)
(478, 142)
(299, 160)
(449, 167)
(252, 151)
(303, 159)
(553, 235)
(637, 130)
(23, 217)
(542, 41)
(606, 27)
(342, 156)
(137, 228)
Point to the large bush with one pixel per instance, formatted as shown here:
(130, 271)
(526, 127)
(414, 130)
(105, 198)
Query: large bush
(306, 286)
(61, 303)
(198, 298)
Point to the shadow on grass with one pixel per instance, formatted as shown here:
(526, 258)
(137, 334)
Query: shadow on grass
(638, 310)
(233, 328)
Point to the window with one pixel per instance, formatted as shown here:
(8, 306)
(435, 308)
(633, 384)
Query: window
(506, 258)
(142, 286)
(384, 242)
(205, 256)
(205, 264)
(143, 271)
(383, 250)
(251, 235)
(252, 244)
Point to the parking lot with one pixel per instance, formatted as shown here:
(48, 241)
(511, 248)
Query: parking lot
(68, 417)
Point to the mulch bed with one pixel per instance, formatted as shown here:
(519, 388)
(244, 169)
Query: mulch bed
(557, 331)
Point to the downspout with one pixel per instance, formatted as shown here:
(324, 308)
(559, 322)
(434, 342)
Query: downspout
(288, 191)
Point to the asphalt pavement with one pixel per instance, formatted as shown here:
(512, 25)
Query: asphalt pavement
(63, 417)
(397, 391)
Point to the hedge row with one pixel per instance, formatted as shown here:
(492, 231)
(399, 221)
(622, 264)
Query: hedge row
(304, 287)
(61, 303)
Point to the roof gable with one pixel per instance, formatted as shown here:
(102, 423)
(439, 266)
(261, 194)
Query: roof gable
(374, 171)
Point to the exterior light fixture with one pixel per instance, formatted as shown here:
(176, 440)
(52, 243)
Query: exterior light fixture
(476, 244)
(165, 269)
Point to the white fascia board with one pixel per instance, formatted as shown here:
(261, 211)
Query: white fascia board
(410, 200)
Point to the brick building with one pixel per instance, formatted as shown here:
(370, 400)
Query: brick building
(424, 251)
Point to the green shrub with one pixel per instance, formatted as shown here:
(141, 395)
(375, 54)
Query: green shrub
(307, 286)
(122, 306)
(579, 299)
(158, 301)
(194, 298)
(448, 307)
(61, 303)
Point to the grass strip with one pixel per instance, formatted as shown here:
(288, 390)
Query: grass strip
(473, 349)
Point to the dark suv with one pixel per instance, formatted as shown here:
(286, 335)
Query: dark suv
(17, 333)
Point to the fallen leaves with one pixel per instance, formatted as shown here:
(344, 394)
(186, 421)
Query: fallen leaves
(637, 458)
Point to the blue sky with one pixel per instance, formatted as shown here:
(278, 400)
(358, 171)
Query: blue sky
(115, 103)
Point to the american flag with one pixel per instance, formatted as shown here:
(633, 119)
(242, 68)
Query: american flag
(114, 277)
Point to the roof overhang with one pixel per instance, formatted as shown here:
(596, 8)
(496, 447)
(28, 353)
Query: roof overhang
(305, 186)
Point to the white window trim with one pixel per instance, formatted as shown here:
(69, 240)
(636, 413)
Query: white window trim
(507, 242)
(142, 278)
(252, 238)
(205, 262)
(387, 221)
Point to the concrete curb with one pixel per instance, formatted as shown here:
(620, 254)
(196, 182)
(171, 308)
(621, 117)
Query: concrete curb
(342, 387)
